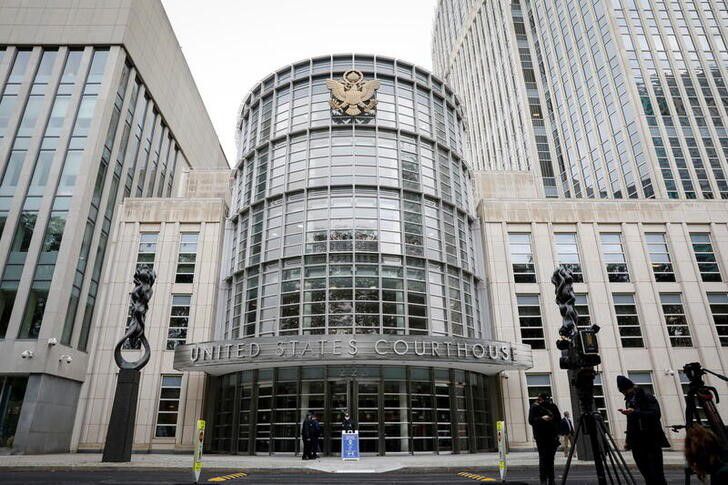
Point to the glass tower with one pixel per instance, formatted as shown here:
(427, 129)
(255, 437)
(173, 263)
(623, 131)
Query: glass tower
(352, 225)
(67, 157)
(601, 99)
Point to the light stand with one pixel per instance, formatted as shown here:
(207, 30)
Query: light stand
(579, 355)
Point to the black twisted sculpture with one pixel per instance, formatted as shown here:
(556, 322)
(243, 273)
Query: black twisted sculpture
(563, 280)
(140, 296)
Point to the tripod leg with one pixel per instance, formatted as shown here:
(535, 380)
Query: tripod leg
(611, 445)
(609, 463)
(577, 434)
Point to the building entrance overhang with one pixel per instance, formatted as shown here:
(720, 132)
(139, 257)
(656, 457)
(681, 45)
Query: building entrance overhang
(225, 356)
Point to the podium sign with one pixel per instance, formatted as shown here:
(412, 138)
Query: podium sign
(501, 430)
(199, 441)
(350, 445)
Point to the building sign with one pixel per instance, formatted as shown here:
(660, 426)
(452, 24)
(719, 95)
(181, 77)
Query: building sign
(221, 357)
(350, 445)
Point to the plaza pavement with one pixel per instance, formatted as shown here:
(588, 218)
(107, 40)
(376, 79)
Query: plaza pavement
(367, 464)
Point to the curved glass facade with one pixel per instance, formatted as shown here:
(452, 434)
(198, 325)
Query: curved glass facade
(347, 225)
(397, 409)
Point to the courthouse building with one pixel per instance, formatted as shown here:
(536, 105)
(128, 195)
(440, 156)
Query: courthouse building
(597, 132)
(385, 242)
(352, 279)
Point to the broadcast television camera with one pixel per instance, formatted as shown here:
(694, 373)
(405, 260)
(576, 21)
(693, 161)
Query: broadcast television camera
(582, 349)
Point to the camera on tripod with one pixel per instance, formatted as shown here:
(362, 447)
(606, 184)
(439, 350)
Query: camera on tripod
(579, 355)
(582, 349)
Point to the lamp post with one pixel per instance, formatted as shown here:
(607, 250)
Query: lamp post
(120, 434)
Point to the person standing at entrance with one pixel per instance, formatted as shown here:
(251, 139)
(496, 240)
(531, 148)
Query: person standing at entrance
(545, 419)
(566, 430)
(307, 432)
(645, 436)
(347, 424)
(315, 434)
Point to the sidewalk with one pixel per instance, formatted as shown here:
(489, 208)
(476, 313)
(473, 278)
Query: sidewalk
(367, 464)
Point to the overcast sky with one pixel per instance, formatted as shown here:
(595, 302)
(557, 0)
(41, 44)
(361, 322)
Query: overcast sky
(232, 44)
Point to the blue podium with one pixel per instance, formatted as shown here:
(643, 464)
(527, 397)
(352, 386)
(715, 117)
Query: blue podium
(350, 445)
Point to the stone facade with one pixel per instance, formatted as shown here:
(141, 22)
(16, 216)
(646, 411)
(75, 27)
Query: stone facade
(501, 215)
(169, 219)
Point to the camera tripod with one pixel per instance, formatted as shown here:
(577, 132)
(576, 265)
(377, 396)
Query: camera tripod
(700, 396)
(579, 355)
(608, 461)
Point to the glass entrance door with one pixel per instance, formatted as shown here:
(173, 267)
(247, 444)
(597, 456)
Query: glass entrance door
(360, 397)
(367, 415)
(340, 400)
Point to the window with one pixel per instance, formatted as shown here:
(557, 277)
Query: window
(537, 384)
(568, 254)
(187, 257)
(522, 258)
(529, 318)
(705, 256)
(630, 332)
(660, 257)
(178, 321)
(677, 324)
(642, 379)
(581, 305)
(613, 254)
(168, 406)
(147, 250)
(719, 308)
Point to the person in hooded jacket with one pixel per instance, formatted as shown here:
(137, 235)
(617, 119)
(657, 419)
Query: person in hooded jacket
(307, 434)
(645, 436)
(315, 434)
(545, 419)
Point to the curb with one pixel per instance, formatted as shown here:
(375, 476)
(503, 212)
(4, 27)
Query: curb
(262, 471)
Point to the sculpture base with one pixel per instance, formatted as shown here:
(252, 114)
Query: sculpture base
(120, 434)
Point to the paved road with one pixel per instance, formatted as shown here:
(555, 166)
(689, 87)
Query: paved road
(112, 477)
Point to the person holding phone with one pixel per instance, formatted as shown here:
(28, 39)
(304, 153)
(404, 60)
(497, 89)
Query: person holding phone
(545, 419)
(645, 437)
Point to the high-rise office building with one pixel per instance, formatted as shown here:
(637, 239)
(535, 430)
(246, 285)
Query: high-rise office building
(97, 105)
(602, 99)
(352, 273)
(614, 100)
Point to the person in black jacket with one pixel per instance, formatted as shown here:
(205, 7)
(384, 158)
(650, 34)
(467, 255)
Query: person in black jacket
(307, 433)
(645, 437)
(315, 433)
(347, 424)
(545, 419)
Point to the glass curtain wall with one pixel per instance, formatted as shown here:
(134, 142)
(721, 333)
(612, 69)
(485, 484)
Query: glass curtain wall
(397, 410)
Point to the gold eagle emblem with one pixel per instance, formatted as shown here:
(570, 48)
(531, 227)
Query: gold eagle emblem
(353, 96)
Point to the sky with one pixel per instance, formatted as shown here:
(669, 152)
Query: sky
(232, 44)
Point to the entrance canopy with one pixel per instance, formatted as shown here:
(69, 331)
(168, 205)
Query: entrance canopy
(226, 356)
